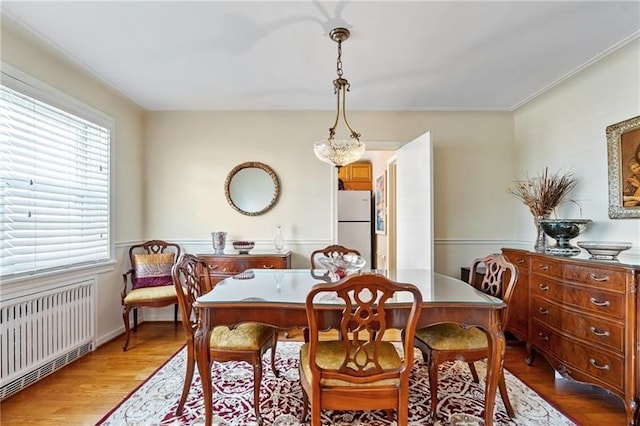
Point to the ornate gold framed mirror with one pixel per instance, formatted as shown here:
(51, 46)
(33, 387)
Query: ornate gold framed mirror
(252, 188)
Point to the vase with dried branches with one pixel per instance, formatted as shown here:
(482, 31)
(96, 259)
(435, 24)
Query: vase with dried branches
(542, 194)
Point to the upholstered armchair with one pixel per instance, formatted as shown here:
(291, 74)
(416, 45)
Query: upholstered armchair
(148, 283)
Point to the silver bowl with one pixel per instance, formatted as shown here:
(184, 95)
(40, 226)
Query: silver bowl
(243, 247)
(605, 250)
(563, 230)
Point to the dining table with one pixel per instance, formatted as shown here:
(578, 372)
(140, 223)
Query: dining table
(276, 297)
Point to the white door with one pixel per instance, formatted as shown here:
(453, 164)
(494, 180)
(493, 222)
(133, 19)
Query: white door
(414, 199)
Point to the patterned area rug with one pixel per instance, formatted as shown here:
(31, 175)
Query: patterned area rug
(460, 399)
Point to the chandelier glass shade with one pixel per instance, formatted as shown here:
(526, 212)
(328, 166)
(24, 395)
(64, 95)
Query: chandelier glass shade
(339, 152)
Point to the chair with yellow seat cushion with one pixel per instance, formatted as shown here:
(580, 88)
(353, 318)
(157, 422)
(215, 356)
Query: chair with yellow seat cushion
(148, 283)
(449, 342)
(360, 371)
(247, 342)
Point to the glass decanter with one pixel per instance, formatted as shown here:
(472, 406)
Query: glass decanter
(278, 240)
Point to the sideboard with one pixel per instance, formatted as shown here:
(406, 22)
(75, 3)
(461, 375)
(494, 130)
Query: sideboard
(582, 316)
(222, 266)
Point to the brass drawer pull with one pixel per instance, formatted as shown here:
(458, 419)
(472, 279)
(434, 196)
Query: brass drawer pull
(598, 303)
(267, 266)
(543, 337)
(599, 367)
(543, 287)
(597, 332)
(520, 260)
(599, 279)
(544, 267)
(213, 267)
(544, 311)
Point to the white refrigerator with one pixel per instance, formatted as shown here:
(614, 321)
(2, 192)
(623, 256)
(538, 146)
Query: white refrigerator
(354, 222)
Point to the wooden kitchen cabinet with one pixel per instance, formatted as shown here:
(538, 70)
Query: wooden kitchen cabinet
(222, 266)
(583, 318)
(357, 176)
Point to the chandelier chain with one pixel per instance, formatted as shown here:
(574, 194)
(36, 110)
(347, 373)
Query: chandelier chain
(339, 61)
(342, 151)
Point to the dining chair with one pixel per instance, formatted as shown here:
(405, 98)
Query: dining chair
(334, 250)
(358, 370)
(450, 342)
(246, 342)
(148, 282)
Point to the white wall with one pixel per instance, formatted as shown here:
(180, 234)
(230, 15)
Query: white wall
(189, 154)
(565, 129)
(24, 52)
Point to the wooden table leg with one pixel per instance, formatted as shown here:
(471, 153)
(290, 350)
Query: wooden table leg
(494, 369)
(203, 360)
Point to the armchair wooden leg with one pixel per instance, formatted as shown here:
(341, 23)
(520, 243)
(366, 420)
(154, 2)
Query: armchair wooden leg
(315, 409)
(433, 386)
(127, 331)
(257, 379)
(474, 373)
(389, 414)
(188, 377)
(305, 406)
(505, 397)
(175, 313)
(273, 353)
(135, 319)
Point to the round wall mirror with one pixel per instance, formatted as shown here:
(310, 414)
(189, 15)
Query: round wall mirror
(252, 188)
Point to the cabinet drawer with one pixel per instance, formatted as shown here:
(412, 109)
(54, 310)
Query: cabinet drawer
(583, 298)
(220, 266)
(520, 260)
(546, 267)
(583, 357)
(598, 364)
(608, 334)
(546, 339)
(266, 263)
(607, 279)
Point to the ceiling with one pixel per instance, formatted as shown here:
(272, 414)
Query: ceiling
(276, 55)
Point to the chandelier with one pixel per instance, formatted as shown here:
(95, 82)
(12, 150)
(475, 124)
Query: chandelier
(340, 152)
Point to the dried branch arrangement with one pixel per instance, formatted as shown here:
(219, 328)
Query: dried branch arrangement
(542, 194)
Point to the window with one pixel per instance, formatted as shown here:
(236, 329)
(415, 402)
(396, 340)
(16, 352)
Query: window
(55, 180)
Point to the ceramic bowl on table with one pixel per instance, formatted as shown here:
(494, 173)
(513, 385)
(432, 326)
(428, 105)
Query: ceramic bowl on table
(243, 247)
(605, 250)
(563, 230)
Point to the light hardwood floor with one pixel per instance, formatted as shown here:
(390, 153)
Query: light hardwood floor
(83, 392)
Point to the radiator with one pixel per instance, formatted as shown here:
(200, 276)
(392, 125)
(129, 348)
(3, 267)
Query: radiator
(43, 332)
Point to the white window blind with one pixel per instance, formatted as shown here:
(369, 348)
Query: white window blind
(54, 205)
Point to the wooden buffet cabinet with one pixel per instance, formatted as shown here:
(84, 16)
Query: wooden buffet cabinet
(222, 266)
(582, 316)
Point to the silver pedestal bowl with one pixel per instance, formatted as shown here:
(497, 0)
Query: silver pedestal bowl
(563, 230)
